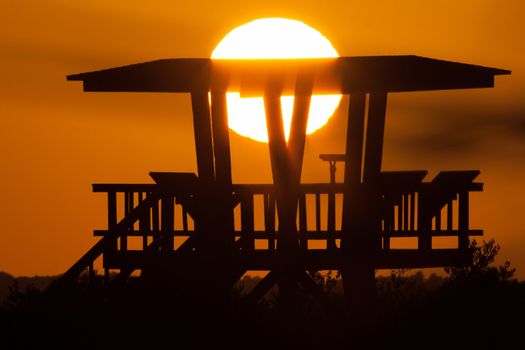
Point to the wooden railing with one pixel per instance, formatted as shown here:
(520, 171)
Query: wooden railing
(162, 217)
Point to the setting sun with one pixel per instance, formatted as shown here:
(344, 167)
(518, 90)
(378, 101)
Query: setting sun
(269, 38)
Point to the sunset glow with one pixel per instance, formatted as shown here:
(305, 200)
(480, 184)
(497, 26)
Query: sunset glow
(274, 38)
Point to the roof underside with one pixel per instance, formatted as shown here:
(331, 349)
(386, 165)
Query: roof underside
(332, 75)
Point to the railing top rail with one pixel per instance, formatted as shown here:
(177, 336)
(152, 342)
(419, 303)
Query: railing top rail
(124, 187)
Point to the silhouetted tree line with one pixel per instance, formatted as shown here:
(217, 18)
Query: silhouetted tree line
(480, 306)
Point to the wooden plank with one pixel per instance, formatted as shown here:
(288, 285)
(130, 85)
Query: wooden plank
(124, 187)
(203, 135)
(261, 288)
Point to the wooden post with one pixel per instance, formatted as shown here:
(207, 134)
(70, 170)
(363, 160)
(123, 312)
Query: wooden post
(222, 212)
(424, 222)
(330, 242)
(269, 220)
(202, 131)
(463, 220)
(363, 225)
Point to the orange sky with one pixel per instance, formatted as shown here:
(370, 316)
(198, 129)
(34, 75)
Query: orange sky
(55, 140)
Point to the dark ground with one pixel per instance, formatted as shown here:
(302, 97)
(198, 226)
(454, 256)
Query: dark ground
(478, 307)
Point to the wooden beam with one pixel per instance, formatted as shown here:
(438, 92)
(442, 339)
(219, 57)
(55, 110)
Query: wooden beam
(283, 177)
(221, 138)
(202, 131)
(374, 137)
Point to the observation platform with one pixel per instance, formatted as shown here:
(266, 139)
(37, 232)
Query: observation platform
(372, 220)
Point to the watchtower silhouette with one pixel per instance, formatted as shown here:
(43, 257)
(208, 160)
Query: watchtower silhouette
(376, 206)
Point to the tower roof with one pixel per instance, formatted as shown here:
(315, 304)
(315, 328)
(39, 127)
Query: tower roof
(331, 75)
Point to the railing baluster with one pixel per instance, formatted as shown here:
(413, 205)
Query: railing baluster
(412, 211)
(388, 208)
(330, 242)
(156, 224)
(449, 216)
(400, 213)
(405, 212)
(318, 212)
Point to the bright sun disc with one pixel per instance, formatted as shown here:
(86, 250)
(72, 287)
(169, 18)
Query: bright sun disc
(274, 38)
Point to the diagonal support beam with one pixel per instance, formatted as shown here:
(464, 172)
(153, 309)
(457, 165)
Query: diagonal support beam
(301, 108)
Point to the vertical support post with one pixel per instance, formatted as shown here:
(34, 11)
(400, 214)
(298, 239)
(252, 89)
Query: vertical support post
(363, 210)
(223, 206)
(203, 136)
(463, 220)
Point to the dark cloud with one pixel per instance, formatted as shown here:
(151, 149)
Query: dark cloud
(461, 130)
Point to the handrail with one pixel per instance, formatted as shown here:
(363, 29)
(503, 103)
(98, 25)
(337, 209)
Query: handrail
(83, 263)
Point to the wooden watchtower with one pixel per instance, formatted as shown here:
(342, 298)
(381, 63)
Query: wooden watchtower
(201, 208)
